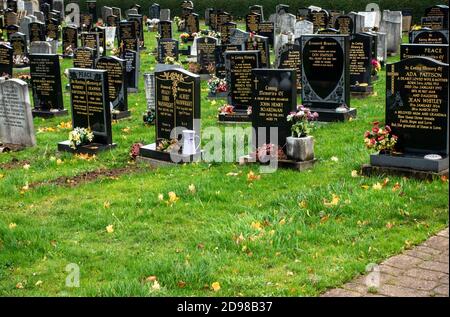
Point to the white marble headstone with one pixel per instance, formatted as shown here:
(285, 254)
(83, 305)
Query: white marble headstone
(303, 27)
(16, 119)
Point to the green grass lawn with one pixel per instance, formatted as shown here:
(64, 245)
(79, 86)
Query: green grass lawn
(278, 235)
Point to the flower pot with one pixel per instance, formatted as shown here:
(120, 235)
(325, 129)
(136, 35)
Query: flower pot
(300, 149)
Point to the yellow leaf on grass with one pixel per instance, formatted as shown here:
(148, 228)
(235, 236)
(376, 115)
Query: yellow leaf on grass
(303, 204)
(192, 189)
(389, 225)
(396, 187)
(251, 176)
(334, 201)
(26, 166)
(354, 173)
(106, 204)
(173, 198)
(334, 159)
(156, 286)
(377, 186)
(12, 226)
(282, 221)
(2, 176)
(110, 228)
(19, 285)
(256, 225)
(160, 197)
(59, 162)
(215, 286)
(38, 283)
(365, 187)
(126, 130)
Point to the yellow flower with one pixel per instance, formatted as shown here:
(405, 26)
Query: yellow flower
(215, 286)
(256, 225)
(110, 228)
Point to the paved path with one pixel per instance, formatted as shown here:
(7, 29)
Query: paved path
(419, 272)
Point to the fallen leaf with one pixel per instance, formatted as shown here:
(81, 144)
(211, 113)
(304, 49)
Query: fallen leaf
(110, 228)
(324, 219)
(334, 159)
(377, 186)
(59, 162)
(282, 221)
(173, 198)
(38, 283)
(232, 174)
(200, 246)
(156, 286)
(26, 166)
(19, 285)
(126, 130)
(303, 204)
(256, 225)
(252, 176)
(160, 197)
(1, 176)
(389, 225)
(365, 187)
(181, 284)
(355, 173)
(239, 239)
(290, 273)
(215, 286)
(385, 182)
(396, 187)
(192, 189)
(444, 178)
(151, 278)
(334, 201)
(12, 226)
(106, 204)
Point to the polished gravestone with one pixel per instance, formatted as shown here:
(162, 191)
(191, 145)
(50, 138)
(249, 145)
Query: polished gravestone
(252, 21)
(117, 86)
(18, 42)
(165, 29)
(428, 37)
(84, 57)
(345, 25)
(238, 37)
(206, 53)
(192, 24)
(69, 40)
(101, 31)
(138, 21)
(320, 19)
(417, 112)
(434, 23)
(90, 109)
(91, 39)
(438, 11)
(127, 36)
(220, 58)
(52, 29)
(290, 57)
(36, 31)
(177, 99)
(167, 48)
(259, 43)
(132, 67)
(436, 51)
(239, 67)
(267, 29)
(361, 64)
(46, 85)
(325, 76)
(16, 120)
(225, 32)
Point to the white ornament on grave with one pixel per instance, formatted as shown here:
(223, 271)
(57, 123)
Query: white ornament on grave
(110, 35)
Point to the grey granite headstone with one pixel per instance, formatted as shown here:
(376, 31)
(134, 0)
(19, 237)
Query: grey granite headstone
(73, 14)
(374, 7)
(238, 37)
(16, 120)
(165, 15)
(303, 27)
(358, 22)
(106, 12)
(40, 47)
(39, 16)
(287, 23)
(58, 5)
(391, 24)
(23, 26)
(131, 12)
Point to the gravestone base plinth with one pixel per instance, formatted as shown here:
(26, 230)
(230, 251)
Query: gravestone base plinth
(235, 117)
(132, 90)
(414, 162)
(288, 164)
(361, 91)
(369, 170)
(150, 155)
(121, 115)
(93, 148)
(49, 114)
(331, 115)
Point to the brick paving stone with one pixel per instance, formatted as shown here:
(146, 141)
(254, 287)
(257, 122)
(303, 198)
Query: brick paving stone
(419, 272)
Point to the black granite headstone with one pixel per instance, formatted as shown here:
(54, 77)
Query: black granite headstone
(165, 29)
(127, 36)
(167, 48)
(438, 11)
(132, 64)
(438, 52)
(267, 29)
(206, 50)
(225, 32)
(36, 31)
(90, 39)
(52, 29)
(69, 38)
(252, 21)
(84, 57)
(360, 61)
(344, 24)
(6, 60)
(259, 43)
(320, 19)
(290, 57)
(92, 8)
(428, 37)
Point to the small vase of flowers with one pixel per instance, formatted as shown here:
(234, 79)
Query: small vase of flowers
(300, 146)
(380, 139)
(79, 137)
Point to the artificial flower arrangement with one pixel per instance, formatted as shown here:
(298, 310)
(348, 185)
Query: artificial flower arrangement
(379, 139)
(80, 136)
(168, 145)
(376, 66)
(171, 61)
(134, 150)
(184, 37)
(303, 121)
(217, 85)
(226, 109)
(211, 68)
(149, 117)
(20, 60)
(416, 27)
(194, 68)
(69, 50)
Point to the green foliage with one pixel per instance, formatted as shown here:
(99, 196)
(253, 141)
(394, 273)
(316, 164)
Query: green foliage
(239, 8)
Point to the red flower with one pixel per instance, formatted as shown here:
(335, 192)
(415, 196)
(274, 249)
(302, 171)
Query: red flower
(375, 129)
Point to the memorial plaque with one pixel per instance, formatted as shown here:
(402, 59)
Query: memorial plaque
(165, 29)
(206, 49)
(325, 75)
(6, 60)
(290, 58)
(117, 88)
(16, 120)
(132, 64)
(128, 39)
(69, 39)
(176, 108)
(360, 59)
(225, 32)
(46, 82)
(274, 98)
(438, 11)
(52, 29)
(261, 44)
(428, 37)
(84, 57)
(267, 29)
(252, 21)
(90, 102)
(344, 24)
(438, 52)
(417, 105)
(239, 67)
(433, 23)
(91, 39)
(320, 19)
(167, 48)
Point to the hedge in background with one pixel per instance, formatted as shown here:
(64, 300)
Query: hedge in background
(239, 8)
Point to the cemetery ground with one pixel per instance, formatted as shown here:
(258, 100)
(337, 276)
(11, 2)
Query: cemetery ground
(226, 230)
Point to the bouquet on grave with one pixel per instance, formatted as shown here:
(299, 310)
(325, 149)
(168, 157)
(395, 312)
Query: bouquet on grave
(380, 139)
(226, 109)
(217, 85)
(80, 136)
(268, 152)
(184, 37)
(376, 66)
(303, 121)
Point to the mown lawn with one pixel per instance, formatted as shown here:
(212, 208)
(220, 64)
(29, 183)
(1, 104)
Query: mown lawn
(282, 234)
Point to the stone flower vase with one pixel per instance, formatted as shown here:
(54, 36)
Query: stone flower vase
(300, 149)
